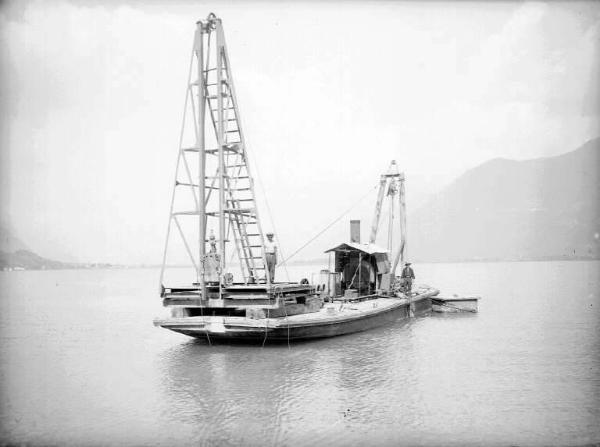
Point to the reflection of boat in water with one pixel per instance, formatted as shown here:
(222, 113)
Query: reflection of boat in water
(214, 189)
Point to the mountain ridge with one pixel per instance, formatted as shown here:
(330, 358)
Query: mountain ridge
(536, 209)
(542, 208)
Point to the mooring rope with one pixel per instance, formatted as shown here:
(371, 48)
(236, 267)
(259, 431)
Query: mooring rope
(286, 318)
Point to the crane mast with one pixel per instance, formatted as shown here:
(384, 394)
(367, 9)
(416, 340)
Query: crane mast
(216, 191)
(393, 182)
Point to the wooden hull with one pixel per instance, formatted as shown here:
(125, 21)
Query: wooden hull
(332, 320)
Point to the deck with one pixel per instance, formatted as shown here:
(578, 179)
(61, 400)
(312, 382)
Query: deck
(236, 295)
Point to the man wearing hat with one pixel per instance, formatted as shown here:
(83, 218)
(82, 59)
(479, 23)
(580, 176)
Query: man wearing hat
(271, 255)
(407, 276)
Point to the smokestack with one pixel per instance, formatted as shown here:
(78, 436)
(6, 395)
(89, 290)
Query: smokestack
(355, 231)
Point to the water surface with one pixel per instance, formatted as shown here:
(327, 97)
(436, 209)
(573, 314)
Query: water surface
(81, 364)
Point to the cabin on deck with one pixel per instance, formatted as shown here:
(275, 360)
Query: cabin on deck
(364, 268)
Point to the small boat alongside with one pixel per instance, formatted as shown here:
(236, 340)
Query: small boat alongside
(455, 304)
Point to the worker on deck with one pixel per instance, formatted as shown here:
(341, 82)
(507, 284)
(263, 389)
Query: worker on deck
(213, 242)
(271, 255)
(212, 263)
(407, 277)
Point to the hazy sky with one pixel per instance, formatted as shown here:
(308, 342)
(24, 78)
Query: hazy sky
(92, 96)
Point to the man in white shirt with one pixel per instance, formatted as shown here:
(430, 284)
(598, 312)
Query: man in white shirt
(271, 255)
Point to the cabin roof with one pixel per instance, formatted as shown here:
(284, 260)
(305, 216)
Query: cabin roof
(369, 249)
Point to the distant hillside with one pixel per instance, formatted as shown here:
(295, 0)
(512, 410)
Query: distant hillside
(14, 255)
(24, 259)
(547, 208)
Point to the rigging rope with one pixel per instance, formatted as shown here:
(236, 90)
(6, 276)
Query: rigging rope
(329, 226)
(264, 193)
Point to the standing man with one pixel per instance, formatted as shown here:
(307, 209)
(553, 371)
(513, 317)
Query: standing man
(271, 255)
(212, 263)
(407, 276)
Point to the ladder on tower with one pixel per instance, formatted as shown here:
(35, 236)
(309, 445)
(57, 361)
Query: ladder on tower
(218, 180)
(239, 205)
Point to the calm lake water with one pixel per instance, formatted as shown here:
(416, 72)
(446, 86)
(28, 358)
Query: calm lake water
(82, 364)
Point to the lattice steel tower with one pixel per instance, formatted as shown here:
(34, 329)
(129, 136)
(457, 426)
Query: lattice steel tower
(214, 190)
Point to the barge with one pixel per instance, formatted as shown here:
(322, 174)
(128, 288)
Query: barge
(214, 217)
